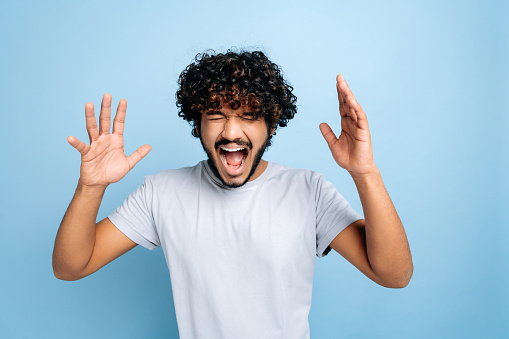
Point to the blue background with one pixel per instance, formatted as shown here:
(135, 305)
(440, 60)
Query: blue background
(432, 77)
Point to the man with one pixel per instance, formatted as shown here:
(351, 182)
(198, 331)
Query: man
(240, 235)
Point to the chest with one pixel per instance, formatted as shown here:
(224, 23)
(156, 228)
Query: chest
(269, 228)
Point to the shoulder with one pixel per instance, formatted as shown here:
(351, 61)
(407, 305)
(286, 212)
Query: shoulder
(301, 176)
(174, 177)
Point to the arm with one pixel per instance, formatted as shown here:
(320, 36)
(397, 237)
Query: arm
(378, 245)
(81, 245)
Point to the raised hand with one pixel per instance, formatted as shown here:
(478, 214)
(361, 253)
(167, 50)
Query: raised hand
(352, 150)
(103, 161)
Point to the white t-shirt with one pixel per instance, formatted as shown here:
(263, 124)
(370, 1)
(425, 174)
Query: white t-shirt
(241, 260)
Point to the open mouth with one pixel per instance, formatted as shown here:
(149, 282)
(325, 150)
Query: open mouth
(233, 158)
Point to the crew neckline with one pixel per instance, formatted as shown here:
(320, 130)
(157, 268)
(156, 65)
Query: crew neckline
(247, 185)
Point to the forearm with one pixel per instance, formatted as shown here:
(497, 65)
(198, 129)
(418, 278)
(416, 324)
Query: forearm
(386, 242)
(75, 239)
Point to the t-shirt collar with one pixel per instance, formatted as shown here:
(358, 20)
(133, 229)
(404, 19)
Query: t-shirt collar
(247, 185)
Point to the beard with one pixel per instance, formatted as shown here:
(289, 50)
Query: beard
(254, 166)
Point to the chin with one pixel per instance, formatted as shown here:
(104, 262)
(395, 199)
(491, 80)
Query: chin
(238, 174)
(228, 180)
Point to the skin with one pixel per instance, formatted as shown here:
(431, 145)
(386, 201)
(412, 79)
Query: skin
(233, 129)
(81, 245)
(377, 246)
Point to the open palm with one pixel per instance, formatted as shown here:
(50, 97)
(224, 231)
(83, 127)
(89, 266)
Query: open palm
(352, 150)
(104, 161)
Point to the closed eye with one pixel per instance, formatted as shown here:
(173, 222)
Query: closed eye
(215, 116)
(218, 115)
(249, 116)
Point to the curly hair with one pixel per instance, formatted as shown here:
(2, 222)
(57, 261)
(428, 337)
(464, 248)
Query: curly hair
(235, 79)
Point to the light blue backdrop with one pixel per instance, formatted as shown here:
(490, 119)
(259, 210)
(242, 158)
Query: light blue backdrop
(431, 76)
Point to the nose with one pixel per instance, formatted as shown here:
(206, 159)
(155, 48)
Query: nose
(233, 129)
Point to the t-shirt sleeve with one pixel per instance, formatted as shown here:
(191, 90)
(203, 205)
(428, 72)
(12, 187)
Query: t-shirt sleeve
(333, 214)
(134, 217)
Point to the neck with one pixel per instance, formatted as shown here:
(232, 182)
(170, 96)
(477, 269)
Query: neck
(262, 166)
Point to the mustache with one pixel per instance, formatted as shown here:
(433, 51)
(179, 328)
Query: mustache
(239, 142)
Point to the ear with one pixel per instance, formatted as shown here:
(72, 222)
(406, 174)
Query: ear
(196, 129)
(273, 129)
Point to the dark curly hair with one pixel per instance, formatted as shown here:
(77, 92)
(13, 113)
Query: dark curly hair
(235, 79)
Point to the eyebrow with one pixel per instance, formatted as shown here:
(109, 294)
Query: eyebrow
(221, 113)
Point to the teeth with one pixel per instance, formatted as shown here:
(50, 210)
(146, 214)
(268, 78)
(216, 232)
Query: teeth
(232, 149)
(223, 157)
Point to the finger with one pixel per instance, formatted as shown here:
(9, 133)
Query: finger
(343, 110)
(354, 127)
(91, 123)
(137, 155)
(105, 116)
(343, 86)
(350, 98)
(356, 122)
(328, 134)
(78, 144)
(118, 122)
(353, 113)
(349, 126)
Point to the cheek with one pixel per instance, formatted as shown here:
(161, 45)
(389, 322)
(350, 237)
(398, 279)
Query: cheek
(208, 133)
(259, 134)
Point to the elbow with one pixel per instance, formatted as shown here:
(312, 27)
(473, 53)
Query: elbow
(399, 284)
(402, 279)
(65, 277)
(61, 273)
(396, 279)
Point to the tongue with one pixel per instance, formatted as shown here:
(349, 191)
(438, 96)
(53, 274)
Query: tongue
(234, 158)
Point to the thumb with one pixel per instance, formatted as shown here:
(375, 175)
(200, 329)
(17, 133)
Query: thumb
(78, 144)
(328, 134)
(137, 155)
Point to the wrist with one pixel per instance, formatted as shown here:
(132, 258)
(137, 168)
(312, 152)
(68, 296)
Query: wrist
(367, 176)
(96, 190)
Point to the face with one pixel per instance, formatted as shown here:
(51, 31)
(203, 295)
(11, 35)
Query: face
(234, 142)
